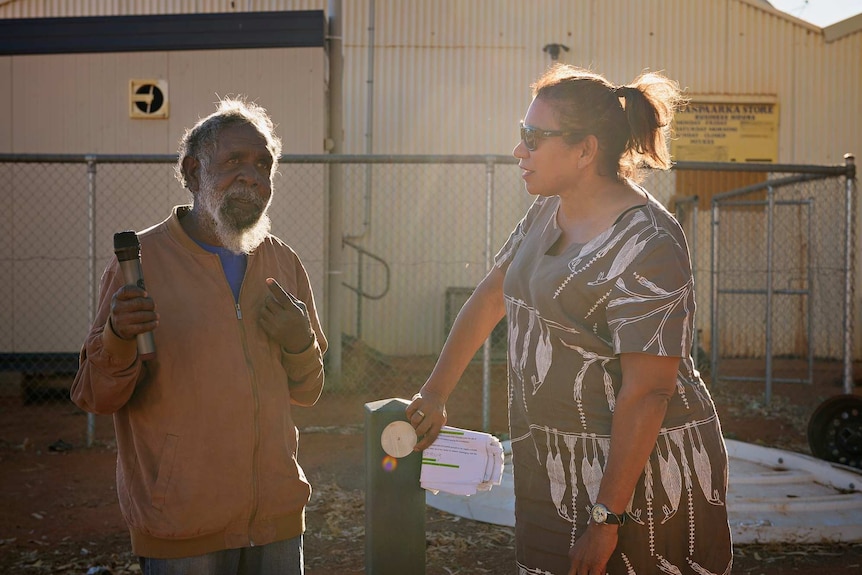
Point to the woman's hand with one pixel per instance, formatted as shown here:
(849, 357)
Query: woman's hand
(483, 310)
(593, 549)
(427, 414)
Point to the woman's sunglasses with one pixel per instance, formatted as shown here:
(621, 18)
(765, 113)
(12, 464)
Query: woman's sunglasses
(531, 136)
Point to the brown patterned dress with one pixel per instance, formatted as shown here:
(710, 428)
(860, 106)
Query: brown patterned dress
(570, 316)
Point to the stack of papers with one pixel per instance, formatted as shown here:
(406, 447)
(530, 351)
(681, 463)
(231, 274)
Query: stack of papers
(462, 462)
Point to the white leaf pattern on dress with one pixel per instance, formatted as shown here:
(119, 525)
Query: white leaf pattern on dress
(671, 480)
(604, 446)
(688, 325)
(575, 264)
(511, 310)
(578, 391)
(627, 254)
(651, 286)
(703, 468)
(516, 362)
(678, 438)
(672, 300)
(702, 571)
(600, 240)
(666, 567)
(579, 380)
(518, 357)
(556, 476)
(525, 343)
(522, 570)
(680, 389)
(629, 569)
(570, 441)
(514, 243)
(649, 495)
(544, 355)
(591, 472)
(609, 387)
(589, 358)
(637, 219)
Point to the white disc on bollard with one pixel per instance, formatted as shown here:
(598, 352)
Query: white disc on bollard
(398, 439)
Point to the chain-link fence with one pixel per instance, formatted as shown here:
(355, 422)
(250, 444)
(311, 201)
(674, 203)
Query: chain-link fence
(782, 251)
(771, 261)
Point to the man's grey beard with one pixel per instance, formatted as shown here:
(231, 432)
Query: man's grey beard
(238, 237)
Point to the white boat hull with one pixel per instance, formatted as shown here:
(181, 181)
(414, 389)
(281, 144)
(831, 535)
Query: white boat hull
(773, 496)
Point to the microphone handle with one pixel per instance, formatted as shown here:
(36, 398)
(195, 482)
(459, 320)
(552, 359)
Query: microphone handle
(133, 274)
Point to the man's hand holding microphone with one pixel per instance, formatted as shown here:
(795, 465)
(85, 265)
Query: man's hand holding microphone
(133, 312)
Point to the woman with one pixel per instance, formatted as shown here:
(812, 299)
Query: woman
(619, 462)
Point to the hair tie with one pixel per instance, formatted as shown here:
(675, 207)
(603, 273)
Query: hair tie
(622, 91)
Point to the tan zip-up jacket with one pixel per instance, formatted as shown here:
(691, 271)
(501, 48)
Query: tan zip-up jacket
(206, 440)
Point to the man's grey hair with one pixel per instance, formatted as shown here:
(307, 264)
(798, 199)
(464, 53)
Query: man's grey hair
(199, 141)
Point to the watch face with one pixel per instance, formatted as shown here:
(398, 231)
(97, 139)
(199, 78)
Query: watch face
(600, 514)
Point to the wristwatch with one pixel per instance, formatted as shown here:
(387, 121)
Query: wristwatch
(600, 514)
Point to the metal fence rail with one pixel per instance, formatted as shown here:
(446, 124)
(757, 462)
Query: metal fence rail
(392, 242)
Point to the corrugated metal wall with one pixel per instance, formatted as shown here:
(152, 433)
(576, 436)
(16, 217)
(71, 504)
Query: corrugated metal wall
(447, 67)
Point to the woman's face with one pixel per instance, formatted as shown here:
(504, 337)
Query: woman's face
(552, 167)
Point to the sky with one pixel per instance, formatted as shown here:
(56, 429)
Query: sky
(819, 12)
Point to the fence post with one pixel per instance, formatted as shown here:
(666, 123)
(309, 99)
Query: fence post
(489, 262)
(92, 271)
(849, 240)
(335, 268)
(394, 500)
(770, 286)
(713, 292)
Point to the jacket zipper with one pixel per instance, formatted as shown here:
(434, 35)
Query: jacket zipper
(256, 422)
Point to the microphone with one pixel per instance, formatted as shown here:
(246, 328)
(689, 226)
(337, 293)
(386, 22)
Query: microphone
(128, 251)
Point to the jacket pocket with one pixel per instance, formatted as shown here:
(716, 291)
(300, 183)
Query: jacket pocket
(166, 467)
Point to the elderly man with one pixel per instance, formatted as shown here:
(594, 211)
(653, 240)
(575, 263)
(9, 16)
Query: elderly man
(207, 475)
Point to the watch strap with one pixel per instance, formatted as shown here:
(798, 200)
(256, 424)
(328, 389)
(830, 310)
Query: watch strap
(610, 517)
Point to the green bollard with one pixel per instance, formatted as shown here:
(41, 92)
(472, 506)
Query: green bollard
(394, 501)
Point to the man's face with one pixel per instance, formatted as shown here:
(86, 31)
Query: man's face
(236, 189)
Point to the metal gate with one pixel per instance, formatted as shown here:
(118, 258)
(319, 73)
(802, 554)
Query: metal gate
(779, 288)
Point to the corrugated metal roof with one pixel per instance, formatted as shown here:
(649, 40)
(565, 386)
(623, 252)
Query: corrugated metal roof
(844, 28)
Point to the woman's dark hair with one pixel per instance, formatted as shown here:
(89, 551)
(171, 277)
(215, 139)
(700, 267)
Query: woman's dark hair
(198, 141)
(631, 122)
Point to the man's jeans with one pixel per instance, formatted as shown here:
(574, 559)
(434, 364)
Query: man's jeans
(279, 558)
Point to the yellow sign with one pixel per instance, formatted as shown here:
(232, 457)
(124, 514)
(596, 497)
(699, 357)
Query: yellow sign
(726, 132)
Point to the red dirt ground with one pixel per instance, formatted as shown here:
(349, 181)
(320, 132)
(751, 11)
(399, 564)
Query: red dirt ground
(59, 514)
